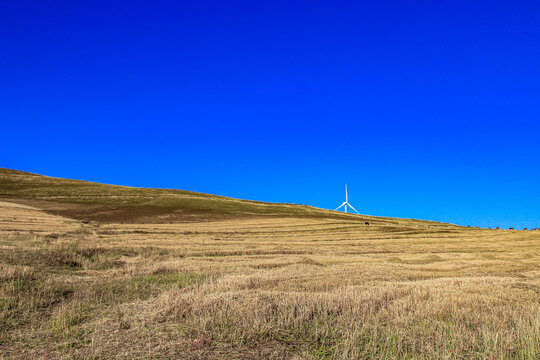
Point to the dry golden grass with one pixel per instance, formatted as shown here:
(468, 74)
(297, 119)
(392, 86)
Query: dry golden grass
(265, 288)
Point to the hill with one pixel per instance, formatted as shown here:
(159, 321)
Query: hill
(91, 201)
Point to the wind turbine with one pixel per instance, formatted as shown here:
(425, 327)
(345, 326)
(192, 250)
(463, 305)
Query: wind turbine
(346, 203)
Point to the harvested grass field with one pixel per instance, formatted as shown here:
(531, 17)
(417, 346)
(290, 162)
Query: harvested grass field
(292, 285)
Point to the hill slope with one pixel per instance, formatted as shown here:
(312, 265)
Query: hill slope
(85, 200)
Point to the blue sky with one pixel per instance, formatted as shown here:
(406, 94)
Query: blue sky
(427, 109)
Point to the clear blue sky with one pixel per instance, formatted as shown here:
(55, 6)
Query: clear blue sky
(427, 109)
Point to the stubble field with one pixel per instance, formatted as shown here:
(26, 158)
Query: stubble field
(265, 287)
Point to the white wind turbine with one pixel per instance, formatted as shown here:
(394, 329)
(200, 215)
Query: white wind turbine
(347, 202)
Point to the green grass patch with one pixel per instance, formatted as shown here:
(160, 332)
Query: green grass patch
(24, 299)
(69, 321)
(141, 287)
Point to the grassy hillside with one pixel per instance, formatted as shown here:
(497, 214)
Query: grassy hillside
(93, 201)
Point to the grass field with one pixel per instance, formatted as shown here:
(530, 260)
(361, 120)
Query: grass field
(90, 271)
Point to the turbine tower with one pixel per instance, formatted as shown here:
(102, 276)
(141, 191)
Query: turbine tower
(346, 203)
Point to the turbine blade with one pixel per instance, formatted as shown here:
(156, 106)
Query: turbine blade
(354, 209)
(340, 206)
(346, 197)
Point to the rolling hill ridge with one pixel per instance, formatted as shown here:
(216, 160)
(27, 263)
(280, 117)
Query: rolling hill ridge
(90, 201)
